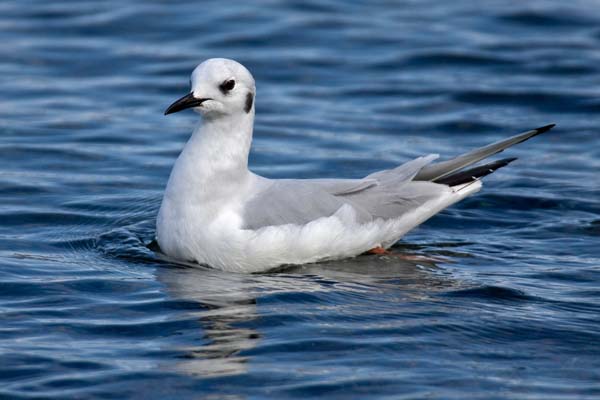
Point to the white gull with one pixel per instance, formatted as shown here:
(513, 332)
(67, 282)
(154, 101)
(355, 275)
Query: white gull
(216, 212)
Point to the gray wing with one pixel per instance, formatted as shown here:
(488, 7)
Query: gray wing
(445, 168)
(396, 193)
(387, 204)
(384, 194)
(340, 187)
(289, 201)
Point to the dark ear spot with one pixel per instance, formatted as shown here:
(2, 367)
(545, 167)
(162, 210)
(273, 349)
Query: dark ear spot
(249, 101)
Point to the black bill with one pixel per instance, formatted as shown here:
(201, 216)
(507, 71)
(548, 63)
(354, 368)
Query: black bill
(187, 101)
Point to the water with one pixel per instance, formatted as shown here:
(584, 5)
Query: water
(497, 297)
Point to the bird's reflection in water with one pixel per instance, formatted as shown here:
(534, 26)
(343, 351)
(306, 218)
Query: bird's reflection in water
(228, 301)
(224, 302)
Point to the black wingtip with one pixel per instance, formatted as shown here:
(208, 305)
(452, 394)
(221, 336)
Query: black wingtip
(545, 128)
(472, 174)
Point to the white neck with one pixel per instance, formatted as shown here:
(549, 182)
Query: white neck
(214, 162)
(223, 143)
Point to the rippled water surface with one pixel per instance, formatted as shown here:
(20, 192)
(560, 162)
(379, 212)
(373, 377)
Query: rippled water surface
(497, 297)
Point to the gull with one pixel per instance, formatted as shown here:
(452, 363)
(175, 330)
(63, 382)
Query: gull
(216, 212)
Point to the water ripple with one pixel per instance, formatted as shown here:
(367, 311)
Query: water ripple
(495, 297)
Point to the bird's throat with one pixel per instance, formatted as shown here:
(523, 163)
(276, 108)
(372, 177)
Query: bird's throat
(215, 159)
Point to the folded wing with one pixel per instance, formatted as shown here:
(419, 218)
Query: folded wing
(445, 168)
(383, 194)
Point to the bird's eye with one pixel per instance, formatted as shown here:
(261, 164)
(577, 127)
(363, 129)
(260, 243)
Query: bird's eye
(227, 85)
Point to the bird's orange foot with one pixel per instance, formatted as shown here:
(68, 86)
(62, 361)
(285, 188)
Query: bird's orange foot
(378, 250)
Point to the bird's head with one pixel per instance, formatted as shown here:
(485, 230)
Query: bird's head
(220, 87)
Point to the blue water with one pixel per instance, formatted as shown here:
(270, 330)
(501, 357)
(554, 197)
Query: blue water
(497, 297)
